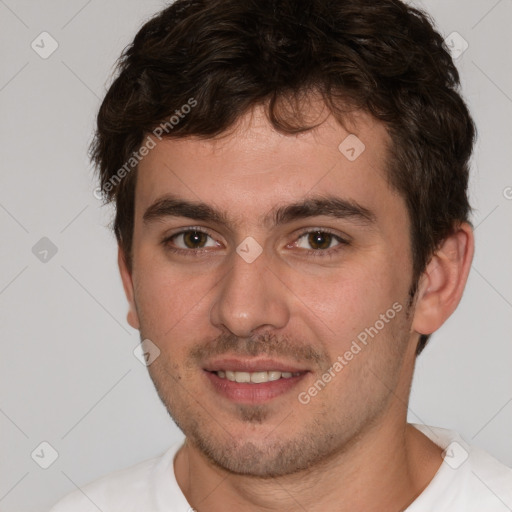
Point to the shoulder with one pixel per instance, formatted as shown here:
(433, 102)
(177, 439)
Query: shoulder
(469, 479)
(133, 488)
(491, 478)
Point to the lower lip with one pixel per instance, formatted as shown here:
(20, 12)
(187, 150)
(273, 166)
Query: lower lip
(244, 392)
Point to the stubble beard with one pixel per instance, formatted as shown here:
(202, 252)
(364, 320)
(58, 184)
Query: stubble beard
(323, 434)
(327, 432)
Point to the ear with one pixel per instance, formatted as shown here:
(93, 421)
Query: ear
(443, 281)
(126, 277)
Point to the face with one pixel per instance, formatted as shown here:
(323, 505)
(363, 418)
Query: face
(272, 272)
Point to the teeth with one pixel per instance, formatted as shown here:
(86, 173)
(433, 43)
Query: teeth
(255, 377)
(258, 377)
(242, 377)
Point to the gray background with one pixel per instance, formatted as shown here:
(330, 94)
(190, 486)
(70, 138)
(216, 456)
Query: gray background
(68, 373)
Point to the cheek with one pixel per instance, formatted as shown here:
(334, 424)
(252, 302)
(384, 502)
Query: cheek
(170, 300)
(347, 299)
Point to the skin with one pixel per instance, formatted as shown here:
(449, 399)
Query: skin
(349, 448)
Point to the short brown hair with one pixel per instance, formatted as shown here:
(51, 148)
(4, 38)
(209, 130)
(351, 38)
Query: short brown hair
(380, 56)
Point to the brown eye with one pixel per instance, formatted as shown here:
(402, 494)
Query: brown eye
(317, 240)
(192, 239)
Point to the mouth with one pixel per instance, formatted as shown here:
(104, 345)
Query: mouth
(255, 377)
(253, 381)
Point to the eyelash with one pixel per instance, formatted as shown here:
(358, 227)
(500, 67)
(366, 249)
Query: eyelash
(318, 253)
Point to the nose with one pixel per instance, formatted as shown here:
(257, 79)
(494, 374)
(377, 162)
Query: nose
(250, 298)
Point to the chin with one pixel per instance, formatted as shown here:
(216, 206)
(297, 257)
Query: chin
(247, 453)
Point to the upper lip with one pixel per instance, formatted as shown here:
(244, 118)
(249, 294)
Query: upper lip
(251, 365)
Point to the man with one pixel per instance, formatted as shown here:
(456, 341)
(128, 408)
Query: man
(290, 180)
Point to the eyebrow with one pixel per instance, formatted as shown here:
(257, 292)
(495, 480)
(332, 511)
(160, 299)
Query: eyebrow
(318, 206)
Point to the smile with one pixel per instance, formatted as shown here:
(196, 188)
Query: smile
(255, 377)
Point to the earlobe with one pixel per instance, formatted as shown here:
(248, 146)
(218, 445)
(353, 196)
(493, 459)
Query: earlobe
(126, 277)
(443, 281)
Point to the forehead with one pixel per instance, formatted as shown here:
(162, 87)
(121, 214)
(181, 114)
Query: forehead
(253, 168)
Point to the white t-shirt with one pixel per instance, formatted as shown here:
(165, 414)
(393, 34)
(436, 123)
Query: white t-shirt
(469, 480)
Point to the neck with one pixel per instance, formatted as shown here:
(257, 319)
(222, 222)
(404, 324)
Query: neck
(384, 470)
